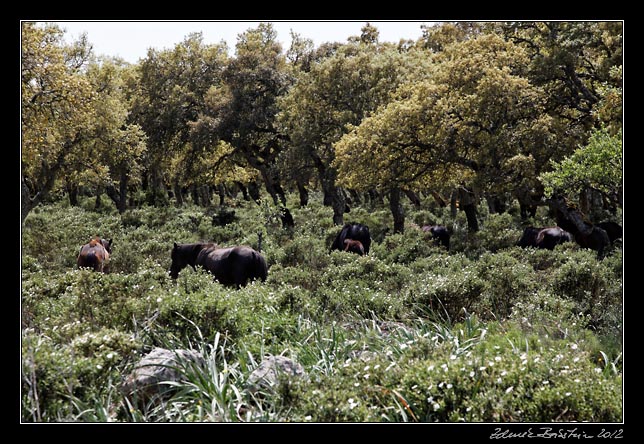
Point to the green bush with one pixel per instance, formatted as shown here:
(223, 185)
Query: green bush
(366, 329)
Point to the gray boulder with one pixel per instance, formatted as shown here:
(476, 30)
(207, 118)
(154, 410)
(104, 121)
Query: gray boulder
(267, 374)
(145, 381)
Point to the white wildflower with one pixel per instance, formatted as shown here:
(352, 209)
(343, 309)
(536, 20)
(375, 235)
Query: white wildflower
(509, 389)
(352, 403)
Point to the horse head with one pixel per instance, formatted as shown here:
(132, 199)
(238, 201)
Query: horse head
(183, 255)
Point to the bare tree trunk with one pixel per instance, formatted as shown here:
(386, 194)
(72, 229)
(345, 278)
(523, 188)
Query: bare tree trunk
(72, 194)
(25, 200)
(221, 190)
(413, 197)
(253, 191)
(438, 198)
(304, 193)
(204, 193)
(397, 210)
(243, 190)
(122, 206)
(178, 195)
(467, 200)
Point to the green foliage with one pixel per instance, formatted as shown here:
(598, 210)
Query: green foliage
(598, 166)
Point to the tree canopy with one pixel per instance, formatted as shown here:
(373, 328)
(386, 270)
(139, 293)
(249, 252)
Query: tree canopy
(469, 110)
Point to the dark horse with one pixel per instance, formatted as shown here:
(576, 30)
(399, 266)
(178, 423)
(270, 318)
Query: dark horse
(231, 266)
(529, 237)
(95, 254)
(353, 231)
(440, 234)
(550, 237)
(547, 237)
(612, 229)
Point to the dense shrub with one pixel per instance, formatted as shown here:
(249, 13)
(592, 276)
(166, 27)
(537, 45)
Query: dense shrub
(398, 335)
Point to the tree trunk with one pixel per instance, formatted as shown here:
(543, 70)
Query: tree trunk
(72, 193)
(339, 206)
(98, 203)
(413, 197)
(122, 206)
(397, 210)
(204, 193)
(304, 193)
(253, 191)
(178, 195)
(221, 191)
(194, 192)
(25, 200)
(355, 197)
(243, 190)
(333, 195)
(376, 198)
(438, 198)
(113, 195)
(569, 218)
(467, 200)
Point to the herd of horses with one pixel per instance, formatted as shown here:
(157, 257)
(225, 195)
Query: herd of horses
(238, 265)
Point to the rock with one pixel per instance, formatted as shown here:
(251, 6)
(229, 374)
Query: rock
(267, 374)
(157, 366)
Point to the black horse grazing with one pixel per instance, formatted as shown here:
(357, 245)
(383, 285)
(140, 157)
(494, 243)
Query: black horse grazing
(529, 237)
(231, 266)
(550, 237)
(612, 229)
(547, 237)
(440, 234)
(95, 254)
(353, 231)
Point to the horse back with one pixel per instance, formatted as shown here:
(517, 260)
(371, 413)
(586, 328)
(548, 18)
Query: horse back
(93, 255)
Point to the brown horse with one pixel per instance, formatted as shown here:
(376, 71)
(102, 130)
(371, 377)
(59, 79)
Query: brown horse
(95, 254)
(232, 266)
(354, 246)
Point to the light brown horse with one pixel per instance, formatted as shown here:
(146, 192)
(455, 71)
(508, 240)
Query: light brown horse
(354, 246)
(95, 254)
